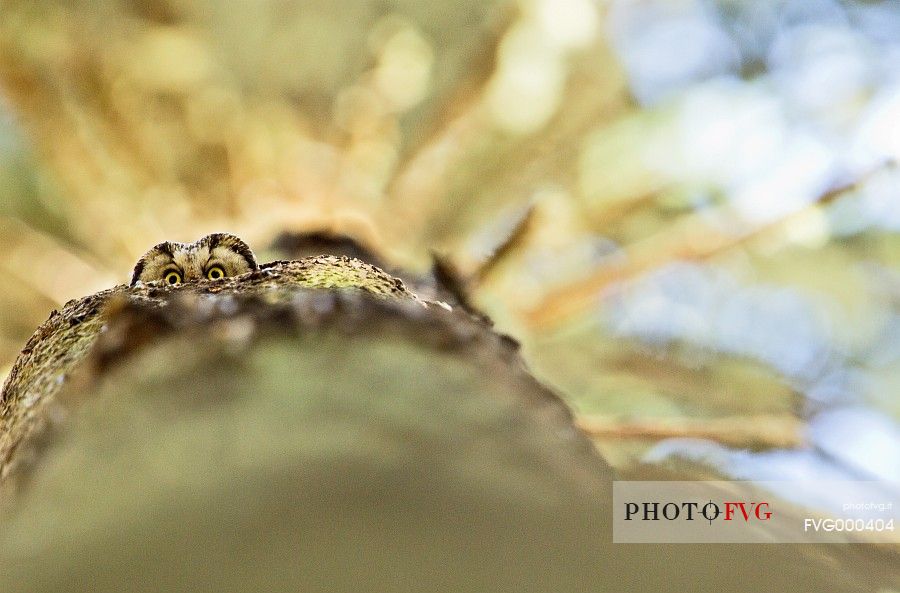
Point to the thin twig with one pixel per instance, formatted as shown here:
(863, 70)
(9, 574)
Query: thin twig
(693, 240)
(749, 432)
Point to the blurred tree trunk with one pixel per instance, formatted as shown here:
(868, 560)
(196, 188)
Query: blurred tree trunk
(333, 443)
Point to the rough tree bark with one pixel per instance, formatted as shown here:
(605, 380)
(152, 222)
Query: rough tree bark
(264, 434)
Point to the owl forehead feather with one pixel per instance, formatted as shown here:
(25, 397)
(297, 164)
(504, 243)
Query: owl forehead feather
(231, 242)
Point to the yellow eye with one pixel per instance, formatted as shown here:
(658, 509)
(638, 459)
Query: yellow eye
(172, 277)
(215, 273)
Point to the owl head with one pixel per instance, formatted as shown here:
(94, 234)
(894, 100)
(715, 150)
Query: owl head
(213, 257)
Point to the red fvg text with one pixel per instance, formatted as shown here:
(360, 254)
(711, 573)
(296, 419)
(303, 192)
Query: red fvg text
(689, 511)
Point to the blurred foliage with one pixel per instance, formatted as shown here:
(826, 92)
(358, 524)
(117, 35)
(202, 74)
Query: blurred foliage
(712, 183)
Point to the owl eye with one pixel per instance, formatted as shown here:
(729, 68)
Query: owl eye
(215, 273)
(172, 277)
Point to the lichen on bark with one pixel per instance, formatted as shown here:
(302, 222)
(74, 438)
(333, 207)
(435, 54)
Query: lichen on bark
(300, 428)
(60, 344)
